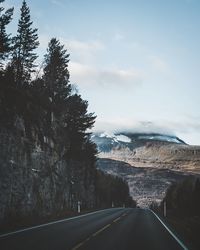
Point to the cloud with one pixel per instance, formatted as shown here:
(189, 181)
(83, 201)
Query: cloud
(159, 64)
(80, 50)
(130, 125)
(187, 130)
(86, 46)
(92, 76)
(182, 126)
(83, 51)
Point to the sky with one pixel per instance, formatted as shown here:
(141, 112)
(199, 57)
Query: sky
(135, 61)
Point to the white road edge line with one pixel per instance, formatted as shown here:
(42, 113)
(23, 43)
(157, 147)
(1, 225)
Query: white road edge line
(54, 222)
(172, 234)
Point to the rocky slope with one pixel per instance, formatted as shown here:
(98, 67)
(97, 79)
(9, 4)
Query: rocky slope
(149, 150)
(145, 184)
(37, 181)
(150, 163)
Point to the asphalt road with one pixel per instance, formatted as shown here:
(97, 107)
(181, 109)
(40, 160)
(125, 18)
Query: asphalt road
(111, 229)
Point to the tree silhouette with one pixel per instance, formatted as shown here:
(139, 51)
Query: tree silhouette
(56, 78)
(5, 40)
(25, 42)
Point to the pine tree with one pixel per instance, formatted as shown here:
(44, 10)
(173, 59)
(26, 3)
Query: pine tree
(56, 72)
(5, 40)
(79, 120)
(66, 111)
(25, 42)
(56, 77)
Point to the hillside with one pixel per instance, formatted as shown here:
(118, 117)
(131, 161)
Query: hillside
(145, 184)
(150, 163)
(149, 150)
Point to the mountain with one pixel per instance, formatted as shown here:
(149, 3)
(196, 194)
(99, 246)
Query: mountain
(150, 163)
(145, 184)
(107, 141)
(149, 150)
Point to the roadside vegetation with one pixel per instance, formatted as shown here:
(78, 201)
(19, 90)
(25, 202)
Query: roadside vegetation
(182, 201)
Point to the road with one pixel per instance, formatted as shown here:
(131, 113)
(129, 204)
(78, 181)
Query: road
(110, 229)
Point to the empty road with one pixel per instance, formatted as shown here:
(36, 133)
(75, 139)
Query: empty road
(110, 229)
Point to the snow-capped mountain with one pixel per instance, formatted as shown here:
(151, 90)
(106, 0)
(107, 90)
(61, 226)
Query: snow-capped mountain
(107, 141)
(148, 162)
(149, 150)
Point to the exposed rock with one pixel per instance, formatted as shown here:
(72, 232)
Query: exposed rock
(149, 150)
(35, 180)
(145, 184)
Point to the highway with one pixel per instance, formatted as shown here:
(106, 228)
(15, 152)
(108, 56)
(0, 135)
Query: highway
(110, 229)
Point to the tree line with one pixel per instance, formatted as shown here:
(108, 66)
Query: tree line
(183, 198)
(182, 204)
(112, 191)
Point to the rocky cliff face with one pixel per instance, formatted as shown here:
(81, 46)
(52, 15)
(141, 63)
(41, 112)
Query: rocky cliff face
(36, 180)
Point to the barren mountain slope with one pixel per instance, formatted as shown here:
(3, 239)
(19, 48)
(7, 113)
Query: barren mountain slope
(149, 150)
(145, 184)
(150, 163)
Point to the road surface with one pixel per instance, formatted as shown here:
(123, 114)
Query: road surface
(110, 229)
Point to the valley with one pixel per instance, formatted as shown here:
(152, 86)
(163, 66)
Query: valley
(149, 163)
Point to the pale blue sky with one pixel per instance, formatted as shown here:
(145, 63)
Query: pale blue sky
(135, 61)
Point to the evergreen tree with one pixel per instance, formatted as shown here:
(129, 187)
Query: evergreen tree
(56, 74)
(66, 112)
(25, 42)
(56, 77)
(5, 40)
(78, 121)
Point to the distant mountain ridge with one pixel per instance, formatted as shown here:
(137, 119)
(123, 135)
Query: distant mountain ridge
(107, 141)
(149, 150)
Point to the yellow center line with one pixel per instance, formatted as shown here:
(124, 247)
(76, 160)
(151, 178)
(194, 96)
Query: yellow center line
(98, 232)
(117, 219)
(81, 244)
(93, 235)
(78, 246)
(101, 230)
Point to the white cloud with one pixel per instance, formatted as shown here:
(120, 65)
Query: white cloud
(75, 46)
(188, 131)
(83, 51)
(86, 46)
(131, 125)
(159, 64)
(91, 76)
